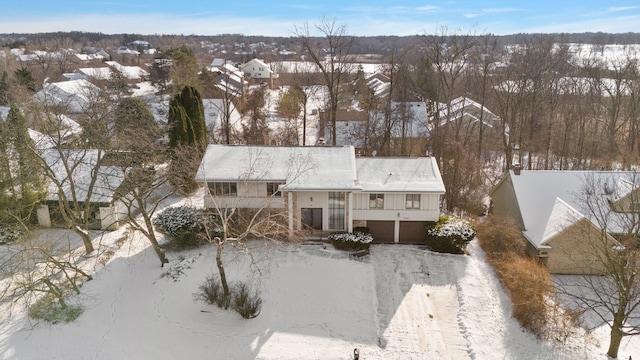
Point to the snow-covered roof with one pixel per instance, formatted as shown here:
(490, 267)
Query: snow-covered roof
(550, 201)
(463, 107)
(301, 168)
(77, 95)
(101, 73)
(130, 72)
(83, 163)
(413, 175)
(214, 112)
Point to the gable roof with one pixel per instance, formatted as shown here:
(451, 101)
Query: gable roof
(82, 164)
(418, 175)
(76, 94)
(302, 168)
(551, 200)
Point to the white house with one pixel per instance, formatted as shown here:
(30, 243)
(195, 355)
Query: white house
(326, 188)
(216, 112)
(259, 70)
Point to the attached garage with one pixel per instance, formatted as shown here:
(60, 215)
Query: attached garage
(413, 232)
(382, 231)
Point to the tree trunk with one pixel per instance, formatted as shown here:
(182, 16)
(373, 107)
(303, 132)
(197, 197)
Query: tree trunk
(223, 277)
(86, 240)
(614, 342)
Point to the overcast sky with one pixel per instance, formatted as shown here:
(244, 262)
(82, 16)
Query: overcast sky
(279, 18)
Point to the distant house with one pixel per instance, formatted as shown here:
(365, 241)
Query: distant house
(555, 219)
(130, 73)
(326, 188)
(72, 180)
(408, 135)
(260, 72)
(229, 78)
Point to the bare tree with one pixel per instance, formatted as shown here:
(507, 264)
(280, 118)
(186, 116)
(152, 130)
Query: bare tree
(333, 55)
(614, 296)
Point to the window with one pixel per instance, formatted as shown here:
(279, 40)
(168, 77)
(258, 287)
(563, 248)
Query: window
(272, 188)
(376, 201)
(336, 210)
(413, 201)
(223, 189)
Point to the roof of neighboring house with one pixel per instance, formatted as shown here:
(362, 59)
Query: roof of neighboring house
(76, 94)
(83, 163)
(214, 111)
(417, 175)
(553, 200)
(302, 168)
(463, 107)
(130, 72)
(101, 73)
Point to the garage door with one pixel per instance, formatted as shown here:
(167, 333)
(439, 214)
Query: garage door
(413, 232)
(382, 231)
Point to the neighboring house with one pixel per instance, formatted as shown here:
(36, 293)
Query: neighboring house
(106, 209)
(408, 128)
(259, 71)
(73, 95)
(555, 219)
(130, 73)
(215, 112)
(326, 188)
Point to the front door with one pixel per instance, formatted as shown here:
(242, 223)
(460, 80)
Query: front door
(311, 218)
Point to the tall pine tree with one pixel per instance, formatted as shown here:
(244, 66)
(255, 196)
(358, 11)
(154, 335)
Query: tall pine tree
(187, 137)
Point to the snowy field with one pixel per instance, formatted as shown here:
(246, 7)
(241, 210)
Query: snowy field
(401, 302)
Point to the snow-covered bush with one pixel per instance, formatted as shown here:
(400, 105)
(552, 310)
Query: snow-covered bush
(351, 241)
(450, 234)
(181, 223)
(49, 309)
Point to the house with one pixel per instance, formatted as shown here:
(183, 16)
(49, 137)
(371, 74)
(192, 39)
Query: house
(409, 128)
(260, 71)
(552, 210)
(216, 112)
(73, 95)
(326, 188)
(72, 179)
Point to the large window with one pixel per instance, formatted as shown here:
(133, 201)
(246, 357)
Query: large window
(336, 210)
(223, 188)
(413, 201)
(272, 188)
(376, 201)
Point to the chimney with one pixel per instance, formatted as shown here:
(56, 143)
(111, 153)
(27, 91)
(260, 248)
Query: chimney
(321, 142)
(516, 169)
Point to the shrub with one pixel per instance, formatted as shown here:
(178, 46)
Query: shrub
(351, 241)
(450, 235)
(181, 223)
(500, 237)
(211, 292)
(529, 285)
(246, 303)
(9, 234)
(50, 310)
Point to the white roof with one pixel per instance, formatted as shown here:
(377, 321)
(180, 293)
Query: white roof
(82, 163)
(130, 72)
(301, 168)
(550, 201)
(76, 94)
(214, 111)
(408, 175)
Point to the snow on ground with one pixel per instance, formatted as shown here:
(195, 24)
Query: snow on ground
(400, 302)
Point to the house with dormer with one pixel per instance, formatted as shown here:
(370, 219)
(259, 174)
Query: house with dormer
(326, 189)
(260, 72)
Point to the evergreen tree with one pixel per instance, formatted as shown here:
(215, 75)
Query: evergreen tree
(22, 178)
(186, 120)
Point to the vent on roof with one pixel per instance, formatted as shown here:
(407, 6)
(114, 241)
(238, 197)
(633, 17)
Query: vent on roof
(516, 169)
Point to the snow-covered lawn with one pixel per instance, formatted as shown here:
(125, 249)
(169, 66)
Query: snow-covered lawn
(400, 302)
